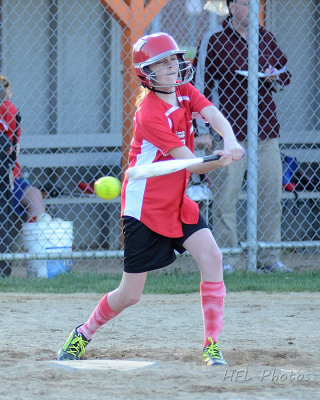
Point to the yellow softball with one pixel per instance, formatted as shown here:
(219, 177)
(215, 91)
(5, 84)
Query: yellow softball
(107, 187)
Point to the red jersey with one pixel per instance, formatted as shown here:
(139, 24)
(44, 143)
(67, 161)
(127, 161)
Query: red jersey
(161, 202)
(8, 125)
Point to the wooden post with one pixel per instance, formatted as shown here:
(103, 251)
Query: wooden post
(133, 16)
(263, 13)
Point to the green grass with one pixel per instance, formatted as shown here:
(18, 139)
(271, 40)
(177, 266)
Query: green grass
(171, 283)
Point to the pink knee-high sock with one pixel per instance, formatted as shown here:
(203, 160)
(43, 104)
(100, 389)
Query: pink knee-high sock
(100, 316)
(212, 299)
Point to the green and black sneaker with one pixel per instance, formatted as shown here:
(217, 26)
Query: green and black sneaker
(74, 347)
(212, 354)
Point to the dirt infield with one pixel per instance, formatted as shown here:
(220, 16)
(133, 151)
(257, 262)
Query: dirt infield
(271, 342)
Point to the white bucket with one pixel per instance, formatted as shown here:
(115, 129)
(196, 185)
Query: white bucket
(55, 237)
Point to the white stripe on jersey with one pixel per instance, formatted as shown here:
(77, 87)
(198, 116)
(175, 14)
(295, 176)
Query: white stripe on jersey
(135, 189)
(171, 110)
(181, 98)
(167, 113)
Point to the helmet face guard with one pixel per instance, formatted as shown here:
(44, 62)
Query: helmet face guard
(185, 74)
(153, 48)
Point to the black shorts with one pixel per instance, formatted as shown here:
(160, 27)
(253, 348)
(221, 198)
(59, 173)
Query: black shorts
(146, 250)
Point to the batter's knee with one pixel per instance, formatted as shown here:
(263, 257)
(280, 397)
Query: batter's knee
(214, 257)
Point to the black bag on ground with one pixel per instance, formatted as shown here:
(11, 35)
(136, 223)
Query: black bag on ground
(305, 182)
(295, 179)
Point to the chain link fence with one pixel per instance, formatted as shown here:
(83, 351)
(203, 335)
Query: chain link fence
(69, 64)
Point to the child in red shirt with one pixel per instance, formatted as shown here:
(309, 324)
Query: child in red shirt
(25, 197)
(158, 217)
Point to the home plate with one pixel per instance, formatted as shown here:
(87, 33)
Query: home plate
(120, 365)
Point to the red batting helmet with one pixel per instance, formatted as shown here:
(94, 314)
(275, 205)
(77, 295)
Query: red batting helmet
(152, 48)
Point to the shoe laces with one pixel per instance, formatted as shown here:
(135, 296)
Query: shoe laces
(213, 349)
(77, 345)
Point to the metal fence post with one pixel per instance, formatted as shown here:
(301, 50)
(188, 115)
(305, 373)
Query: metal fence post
(253, 41)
